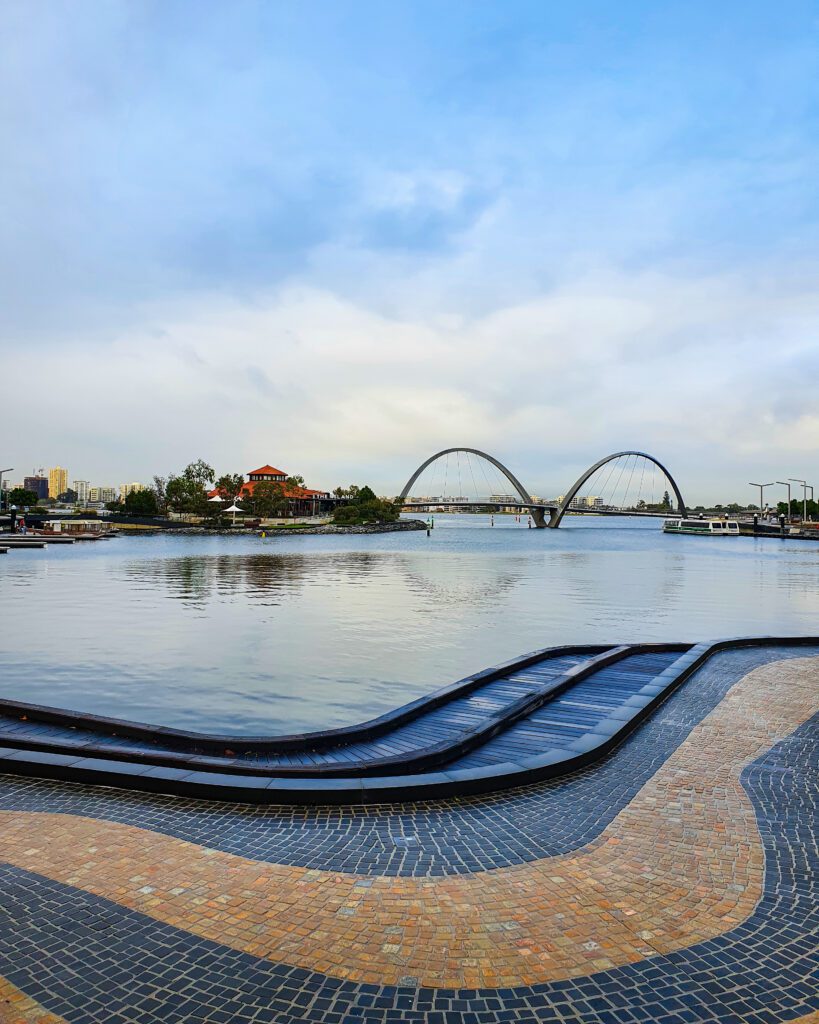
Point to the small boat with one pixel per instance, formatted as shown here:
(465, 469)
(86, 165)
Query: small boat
(702, 527)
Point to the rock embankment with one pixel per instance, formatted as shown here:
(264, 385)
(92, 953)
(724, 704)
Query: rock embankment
(400, 526)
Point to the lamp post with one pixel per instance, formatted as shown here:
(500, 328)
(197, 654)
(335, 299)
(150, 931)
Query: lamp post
(761, 489)
(796, 480)
(811, 494)
(786, 484)
(9, 469)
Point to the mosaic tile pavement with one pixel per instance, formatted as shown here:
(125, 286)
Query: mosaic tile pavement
(682, 889)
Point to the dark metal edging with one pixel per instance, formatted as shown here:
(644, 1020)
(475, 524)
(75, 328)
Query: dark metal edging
(315, 741)
(233, 788)
(425, 758)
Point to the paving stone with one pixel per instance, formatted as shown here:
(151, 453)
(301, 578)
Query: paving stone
(674, 882)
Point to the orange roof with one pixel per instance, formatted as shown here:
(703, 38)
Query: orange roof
(290, 492)
(267, 471)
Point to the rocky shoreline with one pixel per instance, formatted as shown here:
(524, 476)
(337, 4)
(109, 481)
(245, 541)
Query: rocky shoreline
(402, 525)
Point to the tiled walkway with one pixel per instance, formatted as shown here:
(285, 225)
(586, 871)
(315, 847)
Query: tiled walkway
(674, 882)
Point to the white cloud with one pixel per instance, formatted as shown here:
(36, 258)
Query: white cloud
(339, 391)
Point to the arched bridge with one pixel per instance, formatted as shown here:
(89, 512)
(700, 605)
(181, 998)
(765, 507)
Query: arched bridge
(539, 510)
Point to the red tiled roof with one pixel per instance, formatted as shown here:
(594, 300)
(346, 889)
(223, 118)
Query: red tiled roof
(290, 492)
(267, 471)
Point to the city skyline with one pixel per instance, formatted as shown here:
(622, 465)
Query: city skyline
(360, 234)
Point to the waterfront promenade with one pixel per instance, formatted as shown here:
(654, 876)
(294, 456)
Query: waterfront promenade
(673, 881)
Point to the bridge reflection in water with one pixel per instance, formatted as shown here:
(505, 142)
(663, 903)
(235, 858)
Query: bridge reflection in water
(628, 462)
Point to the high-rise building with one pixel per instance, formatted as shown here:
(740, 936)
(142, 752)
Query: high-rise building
(102, 494)
(57, 481)
(82, 487)
(126, 489)
(38, 484)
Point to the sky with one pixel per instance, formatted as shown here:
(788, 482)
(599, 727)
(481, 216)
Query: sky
(339, 236)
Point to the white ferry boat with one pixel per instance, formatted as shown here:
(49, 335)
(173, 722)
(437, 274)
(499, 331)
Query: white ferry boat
(702, 527)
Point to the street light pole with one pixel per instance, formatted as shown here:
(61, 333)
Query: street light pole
(786, 484)
(761, 489)
(796, 480)
(811, 493)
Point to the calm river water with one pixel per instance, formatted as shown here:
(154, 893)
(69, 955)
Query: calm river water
(240, 634)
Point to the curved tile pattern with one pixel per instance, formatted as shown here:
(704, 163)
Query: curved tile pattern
(683, 860)
(92, 960)
(422, 839)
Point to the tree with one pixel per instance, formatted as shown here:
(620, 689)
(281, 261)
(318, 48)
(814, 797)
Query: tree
(68, 497)
(141, 503)
(199, 472)
(159, 491)
(666, 502)
(797, 508)
(230, 485)
(186, 493)
(346, 492)
(294, 483)
(364, 507)
(268, 499)
(114, 506)
(183, 495)
(21, 497)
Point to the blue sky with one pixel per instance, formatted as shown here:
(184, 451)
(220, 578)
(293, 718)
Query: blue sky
(342, 235)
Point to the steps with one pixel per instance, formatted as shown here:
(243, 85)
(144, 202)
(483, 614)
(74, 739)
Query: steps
(540, 716)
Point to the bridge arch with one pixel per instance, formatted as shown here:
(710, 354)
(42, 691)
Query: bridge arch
(558, 513)
(513, 480)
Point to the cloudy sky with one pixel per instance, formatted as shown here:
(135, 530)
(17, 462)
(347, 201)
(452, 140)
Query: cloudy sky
(340, 235)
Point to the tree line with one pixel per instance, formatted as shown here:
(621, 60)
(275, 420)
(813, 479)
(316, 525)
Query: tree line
(186, 492)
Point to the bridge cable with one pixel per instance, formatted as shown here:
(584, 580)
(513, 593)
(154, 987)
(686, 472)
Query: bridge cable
(486, 478)
(616, 486)
(642, 474)
(628, 485)
(612, 467)
(472, 474)
(460, 485)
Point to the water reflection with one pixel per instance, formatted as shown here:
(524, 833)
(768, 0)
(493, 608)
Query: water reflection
(244, 635)
(271, 578)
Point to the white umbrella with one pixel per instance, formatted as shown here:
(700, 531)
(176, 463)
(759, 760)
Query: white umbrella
(234, 508)
(216, 497)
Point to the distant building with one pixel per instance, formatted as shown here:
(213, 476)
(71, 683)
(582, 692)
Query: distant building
(265, 473)
(582, 502)
(102, 494)
(126, 489)
(38, 484)
(82, 487)
(57, 481)
(302, 501)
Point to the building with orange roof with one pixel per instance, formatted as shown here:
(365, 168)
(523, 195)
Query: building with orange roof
(303, 501)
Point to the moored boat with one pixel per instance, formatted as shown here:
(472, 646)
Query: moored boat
(702, 527)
